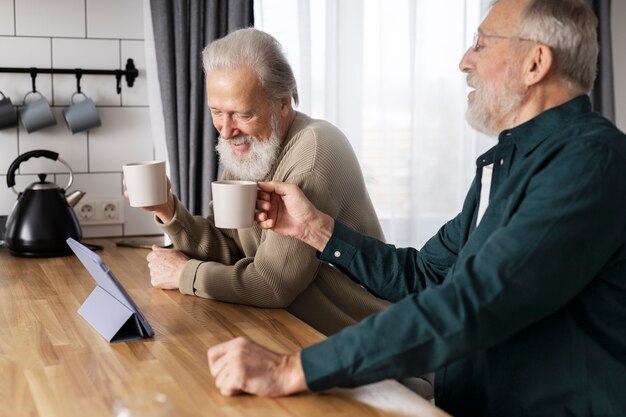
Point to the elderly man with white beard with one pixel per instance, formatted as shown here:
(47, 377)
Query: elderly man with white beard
(250, 90)
(519, 302)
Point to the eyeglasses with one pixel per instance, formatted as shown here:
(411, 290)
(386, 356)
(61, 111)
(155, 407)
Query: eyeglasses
(477, 36)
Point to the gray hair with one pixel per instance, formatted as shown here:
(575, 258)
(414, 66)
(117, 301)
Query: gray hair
(568, 27)
(259, 51)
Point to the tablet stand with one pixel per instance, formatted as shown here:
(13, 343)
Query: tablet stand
(112, 319)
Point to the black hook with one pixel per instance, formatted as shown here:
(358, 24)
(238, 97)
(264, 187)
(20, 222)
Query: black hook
(118, 79)
(79, 74)
(33, 75)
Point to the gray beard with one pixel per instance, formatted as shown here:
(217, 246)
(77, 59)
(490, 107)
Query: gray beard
(503, 99)
(256, 164)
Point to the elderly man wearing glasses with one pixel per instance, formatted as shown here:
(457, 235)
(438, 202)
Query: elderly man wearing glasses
(519, 302)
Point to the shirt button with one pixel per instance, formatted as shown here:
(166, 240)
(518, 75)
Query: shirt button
(501, 161)
(337, 254)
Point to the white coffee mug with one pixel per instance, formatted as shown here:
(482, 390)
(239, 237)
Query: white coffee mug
(146, 183)
(234, 203)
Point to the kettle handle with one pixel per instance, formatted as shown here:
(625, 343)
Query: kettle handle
(34, 154)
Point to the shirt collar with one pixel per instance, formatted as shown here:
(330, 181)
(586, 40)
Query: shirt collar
(530, 134)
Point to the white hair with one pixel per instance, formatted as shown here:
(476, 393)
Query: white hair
(259, 51)
(568, 27)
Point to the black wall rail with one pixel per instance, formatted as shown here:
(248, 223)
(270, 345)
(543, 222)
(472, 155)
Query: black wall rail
(130, 73)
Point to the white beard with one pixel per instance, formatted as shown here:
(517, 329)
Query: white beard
(494, 107)
(256, 164)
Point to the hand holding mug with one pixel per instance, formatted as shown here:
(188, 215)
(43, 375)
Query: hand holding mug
(147, 186)
(286, 210)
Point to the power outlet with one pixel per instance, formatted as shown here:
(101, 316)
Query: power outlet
(100, 211)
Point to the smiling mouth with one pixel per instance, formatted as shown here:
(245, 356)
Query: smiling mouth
(240, 147)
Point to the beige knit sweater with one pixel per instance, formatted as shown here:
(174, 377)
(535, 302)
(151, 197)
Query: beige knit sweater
(261, 268)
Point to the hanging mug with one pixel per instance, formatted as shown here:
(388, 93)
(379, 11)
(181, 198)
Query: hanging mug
(8, 114)
(81, 115)
(36, 114)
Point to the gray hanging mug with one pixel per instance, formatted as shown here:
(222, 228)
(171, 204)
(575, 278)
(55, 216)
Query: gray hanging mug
(81, 115)
(37, 114)
(8, 114)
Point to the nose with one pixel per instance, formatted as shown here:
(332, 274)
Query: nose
(227, 127)
(468, 61)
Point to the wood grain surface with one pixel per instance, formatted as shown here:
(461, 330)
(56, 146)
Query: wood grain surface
(53, 363)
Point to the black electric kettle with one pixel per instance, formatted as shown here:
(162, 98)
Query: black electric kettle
(42, 217)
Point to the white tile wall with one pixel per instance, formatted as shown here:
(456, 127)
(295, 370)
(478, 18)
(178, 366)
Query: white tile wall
(103, 231)
(25, 52)
(91, 34)
(50, 18)
(7, 196)
(109, 184)
(8, 150)
(71, 148)
(118, 19)
(139, 222)
(124, 137)
(138, 94)
(7, 24)
(89, 54)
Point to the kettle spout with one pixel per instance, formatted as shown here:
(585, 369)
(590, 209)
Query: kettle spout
(74, 197)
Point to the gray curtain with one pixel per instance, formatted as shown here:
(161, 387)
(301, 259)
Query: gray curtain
(603, 93)
(182, 28)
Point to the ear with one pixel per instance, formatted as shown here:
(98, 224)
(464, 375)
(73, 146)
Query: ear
(538, 64)
(285, 105)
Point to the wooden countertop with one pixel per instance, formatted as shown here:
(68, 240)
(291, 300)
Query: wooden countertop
(53, 363)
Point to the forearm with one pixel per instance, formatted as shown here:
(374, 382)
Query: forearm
(281, 269)
(385, 270)
(198, 237)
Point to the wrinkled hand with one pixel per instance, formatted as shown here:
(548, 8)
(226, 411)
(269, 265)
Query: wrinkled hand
(243, 366)
(166, 266)
(286, 210)
(164, 211)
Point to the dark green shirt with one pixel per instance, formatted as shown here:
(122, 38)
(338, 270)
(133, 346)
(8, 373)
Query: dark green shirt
(524, 315)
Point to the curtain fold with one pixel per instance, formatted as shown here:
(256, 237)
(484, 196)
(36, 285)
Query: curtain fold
(182, 28)
(603, 92)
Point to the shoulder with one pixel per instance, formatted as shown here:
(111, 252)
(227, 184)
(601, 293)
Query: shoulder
(315, 145)
(597, 138)
(587, 152)
(588, 136)
(306, 130)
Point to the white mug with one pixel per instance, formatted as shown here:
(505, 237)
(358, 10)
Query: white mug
(146, 183)
(234, 203)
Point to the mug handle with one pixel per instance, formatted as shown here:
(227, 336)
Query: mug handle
(77, 92)
(32, 92)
